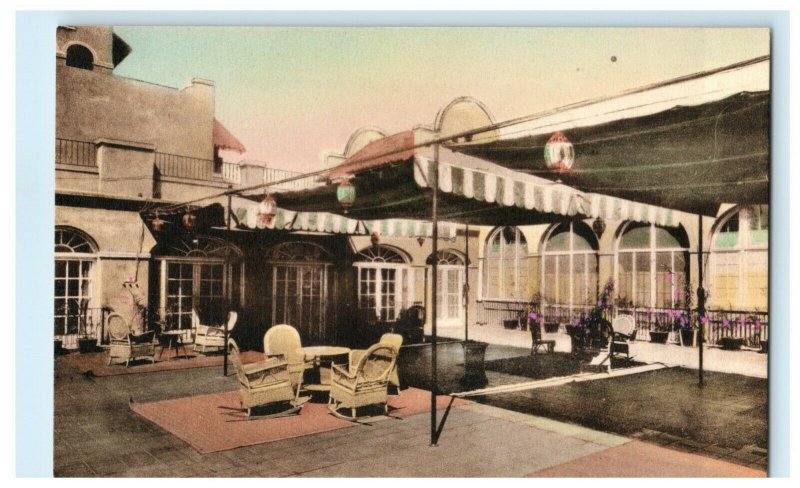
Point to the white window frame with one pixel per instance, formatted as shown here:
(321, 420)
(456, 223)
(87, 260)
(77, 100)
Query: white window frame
(520, 261)
(403, 284)
(652, 250)
(80, 258)
(743, 249)
(445, 266)
(593, 253)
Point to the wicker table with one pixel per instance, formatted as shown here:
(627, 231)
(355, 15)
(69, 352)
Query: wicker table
(322, 373)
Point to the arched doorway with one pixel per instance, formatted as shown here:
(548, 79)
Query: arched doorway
(75, 263)
(450, 289)
(299, 280)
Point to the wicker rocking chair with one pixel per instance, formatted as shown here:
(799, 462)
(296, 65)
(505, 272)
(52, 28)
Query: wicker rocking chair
(283, 342)
(124, 345)
(394, 340)
(264, 384)
(363, 383)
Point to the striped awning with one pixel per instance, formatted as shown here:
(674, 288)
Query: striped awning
(494, 184)
(247, 215)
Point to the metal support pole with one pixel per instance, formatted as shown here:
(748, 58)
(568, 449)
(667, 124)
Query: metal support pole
(434, 182)
(701, 296)
(229, 290)
(466, 283)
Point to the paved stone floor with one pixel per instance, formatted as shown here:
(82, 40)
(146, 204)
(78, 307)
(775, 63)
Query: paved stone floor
(96, 434)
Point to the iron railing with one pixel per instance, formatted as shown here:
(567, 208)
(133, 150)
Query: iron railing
(751, 326)
(77, 153)
(184, 166)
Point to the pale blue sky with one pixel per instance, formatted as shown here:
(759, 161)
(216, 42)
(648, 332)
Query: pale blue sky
(290, 94)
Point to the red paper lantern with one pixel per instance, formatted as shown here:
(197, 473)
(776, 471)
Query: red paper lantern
(267, 210)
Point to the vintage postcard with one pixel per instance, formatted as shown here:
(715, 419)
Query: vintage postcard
(546, 250)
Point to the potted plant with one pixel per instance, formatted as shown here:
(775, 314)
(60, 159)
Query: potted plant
(592, 330)
(731, 343)
(660, 334)
(688, 332)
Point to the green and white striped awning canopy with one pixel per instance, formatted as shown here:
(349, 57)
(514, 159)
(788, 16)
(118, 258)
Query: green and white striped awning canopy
(472, 191)
(246, 215)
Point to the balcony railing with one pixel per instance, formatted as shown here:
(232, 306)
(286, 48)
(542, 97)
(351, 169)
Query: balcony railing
(233, 173)
(184, 167)
(77, 153)
(752, 326)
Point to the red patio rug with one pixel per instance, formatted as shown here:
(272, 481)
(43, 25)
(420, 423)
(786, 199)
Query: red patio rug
(637, 459)
(96, 363)
(211, 423)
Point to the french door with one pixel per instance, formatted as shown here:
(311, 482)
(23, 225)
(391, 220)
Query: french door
(299, 295)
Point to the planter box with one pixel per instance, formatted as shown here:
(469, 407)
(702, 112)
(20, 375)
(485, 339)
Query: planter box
(731, 343)
(58, 347)
(511, 324)
(658, 336)
(474, 368)
(551, 327)
(87, 345)
(764, 346)
(688, 337)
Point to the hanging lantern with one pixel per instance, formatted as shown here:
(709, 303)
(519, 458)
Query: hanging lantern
(267, 210)
(189, 220)
(375, 238)
(346, 194)
(157, 223)
(421, 240)
(599, 226)
(559, 154)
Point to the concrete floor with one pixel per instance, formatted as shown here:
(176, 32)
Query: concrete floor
(97, 435)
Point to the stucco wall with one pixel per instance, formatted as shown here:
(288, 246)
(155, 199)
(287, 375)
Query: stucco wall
(92, 105)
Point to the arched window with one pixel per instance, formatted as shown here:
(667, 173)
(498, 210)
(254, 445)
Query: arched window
(652, 266)
(300, 272)
(79, 56)
(450, 286)
(569, 273)
(384, 282)
(505, 264)
(194, 287)
(75, 256)
(740, 260)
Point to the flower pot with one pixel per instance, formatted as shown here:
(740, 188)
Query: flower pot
(58, 346)
(731, 343)
(87, 345)
(474, 368)
(688, 337)
(764, 346)
(659, 336)
(551, 327)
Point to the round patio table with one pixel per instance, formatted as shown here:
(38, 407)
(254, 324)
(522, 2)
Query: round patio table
(322, 374)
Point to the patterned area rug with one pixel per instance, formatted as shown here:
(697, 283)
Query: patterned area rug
(211, 423)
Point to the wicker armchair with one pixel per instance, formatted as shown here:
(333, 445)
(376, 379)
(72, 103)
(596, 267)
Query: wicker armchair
(363, 383)
(394, 340)
(208, 337)
(624, 327)
(124, 345)
(283, 342)
(263, 384)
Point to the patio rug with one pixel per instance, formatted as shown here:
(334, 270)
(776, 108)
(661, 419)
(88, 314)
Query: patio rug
(211, 423)
(96, 363)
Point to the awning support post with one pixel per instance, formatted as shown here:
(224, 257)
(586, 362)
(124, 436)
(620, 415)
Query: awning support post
(228, 296)
(701, 297)
(434, 182)
(466, 283)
